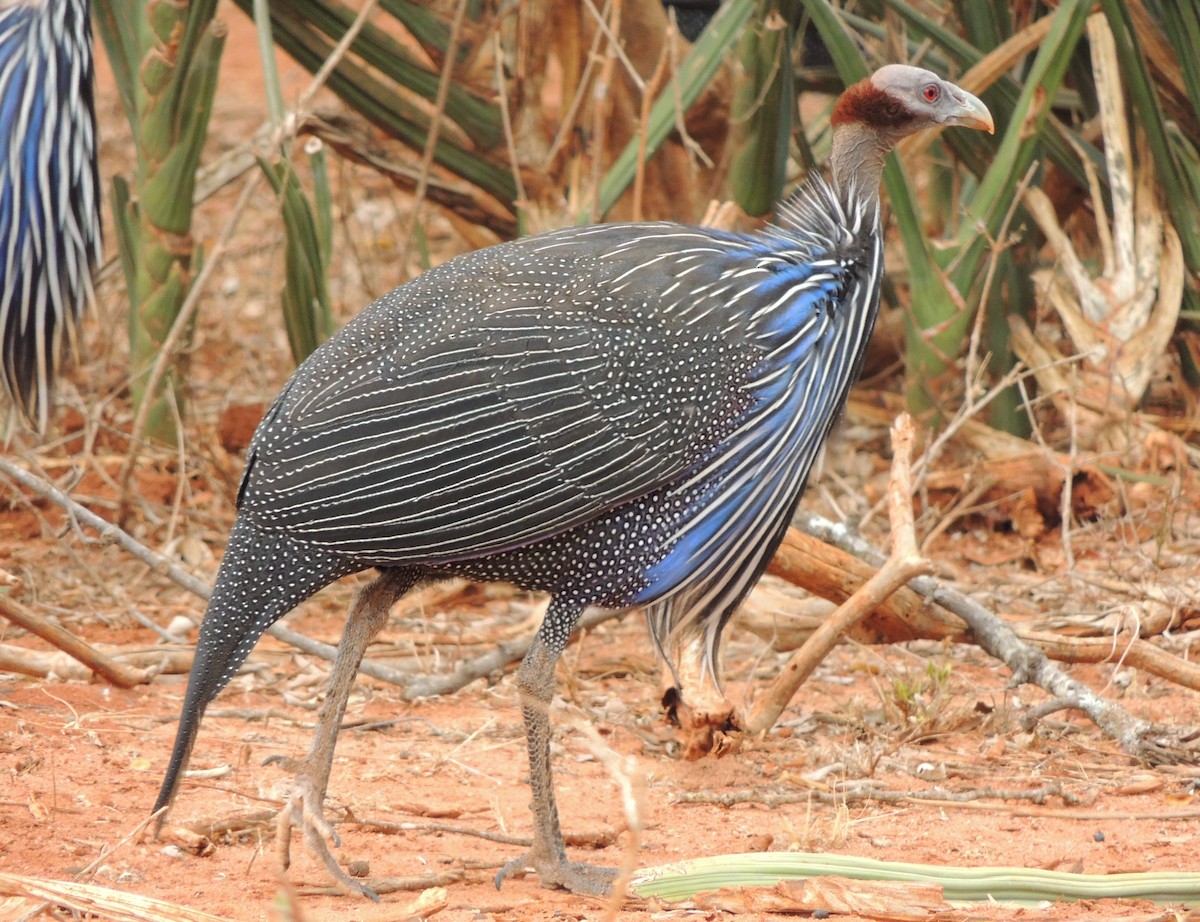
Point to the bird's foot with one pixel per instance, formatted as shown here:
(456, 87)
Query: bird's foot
(575, 876)
(305, 810)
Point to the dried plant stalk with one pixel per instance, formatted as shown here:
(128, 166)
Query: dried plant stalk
(93, 901)
(1121, 320)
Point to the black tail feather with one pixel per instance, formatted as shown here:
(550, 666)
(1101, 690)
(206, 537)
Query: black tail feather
(263, 576)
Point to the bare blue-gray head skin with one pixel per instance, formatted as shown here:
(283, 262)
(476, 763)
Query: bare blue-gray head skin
(619, 415)
(49, 193)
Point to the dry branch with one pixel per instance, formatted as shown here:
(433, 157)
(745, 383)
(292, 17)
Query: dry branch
(109, 533)
(505, 654)
(413, 687)
(63, 666)
(1013, 802)
(904, 563)
(819, 561)
(1131, 651)
(1137, 737)
(102, 665)
(832, 573)
(159, 564)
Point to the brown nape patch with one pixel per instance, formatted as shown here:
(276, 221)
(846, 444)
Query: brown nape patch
(866, 103)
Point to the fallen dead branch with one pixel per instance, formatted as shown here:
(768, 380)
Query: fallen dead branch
(1130, 651)
(832, 573)
(424, 905)
(926, 609)
(860, 792)
(802, 555)
(157, 563)
(61, 665)
(102, 665)
(1137, 737)
(594, 839)
(108, 532)
(505, 654)
(1028, 804)
(919, 619)
(781, 615)
(414, 687)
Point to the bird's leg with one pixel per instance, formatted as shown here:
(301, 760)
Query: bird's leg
(305, 806)
(548, 855)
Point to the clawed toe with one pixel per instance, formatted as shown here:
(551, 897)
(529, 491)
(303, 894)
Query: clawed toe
(575, 876)
(304, 810)
(287, 763)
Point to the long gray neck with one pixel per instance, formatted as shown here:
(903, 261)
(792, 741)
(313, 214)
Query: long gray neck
(857, 164)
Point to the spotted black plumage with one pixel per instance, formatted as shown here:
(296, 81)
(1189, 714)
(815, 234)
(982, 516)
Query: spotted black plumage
(619, 415)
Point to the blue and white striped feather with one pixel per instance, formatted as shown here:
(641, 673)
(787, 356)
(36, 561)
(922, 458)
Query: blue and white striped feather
(816, 312)
(519, 392)
(49, 187)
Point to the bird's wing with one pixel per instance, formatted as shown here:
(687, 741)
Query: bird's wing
(430, 433)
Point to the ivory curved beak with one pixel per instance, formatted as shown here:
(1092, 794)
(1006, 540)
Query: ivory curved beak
(971, 113)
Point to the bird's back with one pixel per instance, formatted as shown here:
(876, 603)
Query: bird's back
(517, 392)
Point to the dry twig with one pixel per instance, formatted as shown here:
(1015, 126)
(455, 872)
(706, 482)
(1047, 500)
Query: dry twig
(1132, 651)
(968, 800)
(505, 654)
(414, 687)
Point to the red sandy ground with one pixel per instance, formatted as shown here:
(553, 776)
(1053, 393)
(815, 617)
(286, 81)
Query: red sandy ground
(81, 764)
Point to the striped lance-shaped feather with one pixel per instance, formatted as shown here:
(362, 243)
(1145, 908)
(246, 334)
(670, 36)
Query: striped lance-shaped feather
(649, 384)
(816, 309)
(49, 187)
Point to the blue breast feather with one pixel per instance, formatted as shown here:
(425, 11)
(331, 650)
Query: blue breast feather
(798, 390)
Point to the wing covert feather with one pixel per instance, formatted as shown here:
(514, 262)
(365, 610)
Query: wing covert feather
(431, 430)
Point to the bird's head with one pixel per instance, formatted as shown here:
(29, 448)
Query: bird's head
(874, 114)
(898, 100)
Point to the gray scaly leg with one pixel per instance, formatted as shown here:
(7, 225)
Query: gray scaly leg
(548, 855)
(305, 806)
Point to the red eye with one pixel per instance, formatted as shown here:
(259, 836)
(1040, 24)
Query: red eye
(932, 92)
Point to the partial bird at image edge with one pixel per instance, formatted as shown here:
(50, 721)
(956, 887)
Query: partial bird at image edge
(49, 195)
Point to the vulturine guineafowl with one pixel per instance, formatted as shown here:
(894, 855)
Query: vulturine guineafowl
(620, 415)
(49, 192)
